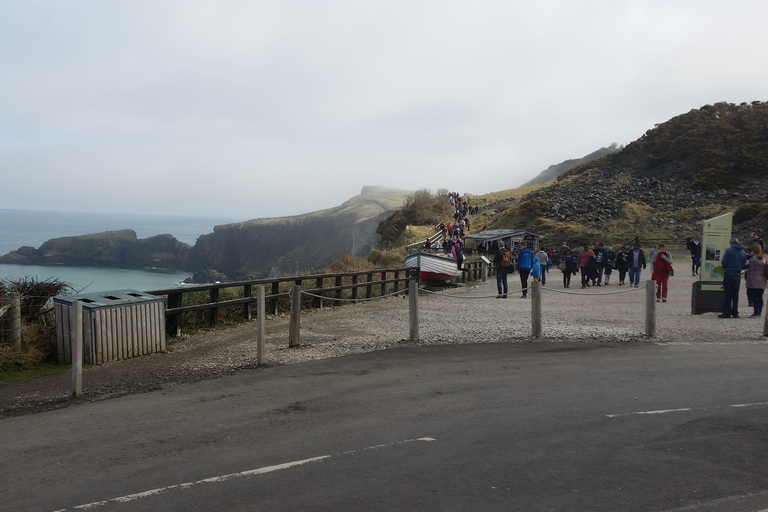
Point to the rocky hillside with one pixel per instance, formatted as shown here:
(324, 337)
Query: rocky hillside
(120, 249)
(695, 166)
(264, 247)
(553, 171)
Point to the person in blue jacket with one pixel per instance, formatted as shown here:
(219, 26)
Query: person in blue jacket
(734, 262)
(524, 266)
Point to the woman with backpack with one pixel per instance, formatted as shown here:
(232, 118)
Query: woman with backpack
(755, 277)
(502, 260)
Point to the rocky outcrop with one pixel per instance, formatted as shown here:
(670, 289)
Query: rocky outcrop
(298, 244)
(120, 249)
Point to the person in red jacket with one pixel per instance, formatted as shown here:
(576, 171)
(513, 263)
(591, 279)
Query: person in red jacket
(662, 269)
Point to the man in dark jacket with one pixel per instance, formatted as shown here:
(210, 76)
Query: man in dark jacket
(734, 262)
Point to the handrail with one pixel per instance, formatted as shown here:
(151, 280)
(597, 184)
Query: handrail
(175, 296)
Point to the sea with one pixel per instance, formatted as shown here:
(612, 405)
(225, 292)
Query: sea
(32, 228)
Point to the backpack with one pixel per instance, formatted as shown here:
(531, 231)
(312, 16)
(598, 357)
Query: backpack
(506, 258)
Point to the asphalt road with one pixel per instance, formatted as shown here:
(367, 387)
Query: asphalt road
(538, 426)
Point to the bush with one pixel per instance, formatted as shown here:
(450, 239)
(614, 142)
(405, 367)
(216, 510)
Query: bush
(748, 212)
(38, 326)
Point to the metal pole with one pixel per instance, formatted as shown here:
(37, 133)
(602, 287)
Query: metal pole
(261, 322)
(535, 309)
(650, 308)
(295, 326)
(413, 305)
(484, 273)
(15, 316)
(76, 335)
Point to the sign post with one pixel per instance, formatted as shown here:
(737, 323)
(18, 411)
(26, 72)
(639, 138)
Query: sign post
(707, 293)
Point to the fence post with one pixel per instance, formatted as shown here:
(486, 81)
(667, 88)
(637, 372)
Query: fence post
(15, 317)
(650, 308)
(76, 335)
(248, 307)
(413, 305)
(173, 322)
(295, 326)
(261, 323)
(535, 309)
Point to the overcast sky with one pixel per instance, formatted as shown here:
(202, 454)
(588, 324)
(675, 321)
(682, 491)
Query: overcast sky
(269, 108)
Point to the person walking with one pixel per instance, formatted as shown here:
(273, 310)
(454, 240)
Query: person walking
(733, 262)
(502, 260)
(597, 276)
(636, 261)
(695, 248)
(570, 267)
(524, 266)
(622, 264)
(662, 269)
(610, 260)
(652, 256)
(755, 279)
(542, 256)
(586, 258)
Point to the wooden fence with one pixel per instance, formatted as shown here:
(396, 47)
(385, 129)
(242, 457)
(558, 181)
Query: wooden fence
(349, 286)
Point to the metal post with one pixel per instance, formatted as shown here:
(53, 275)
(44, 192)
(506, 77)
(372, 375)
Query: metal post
(295, 326)
(261, 322)
(76, 337)
(484, 272)
(535, 287)
(650, 308)
(413, 305)
(15, 317)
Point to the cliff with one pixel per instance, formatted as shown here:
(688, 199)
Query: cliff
(120, 249)
(268, 247)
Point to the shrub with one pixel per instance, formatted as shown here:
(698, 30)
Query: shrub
(748, 212)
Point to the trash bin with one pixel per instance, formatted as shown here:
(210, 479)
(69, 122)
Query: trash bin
(116, 325)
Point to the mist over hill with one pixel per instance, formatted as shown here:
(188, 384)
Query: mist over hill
(553, 171)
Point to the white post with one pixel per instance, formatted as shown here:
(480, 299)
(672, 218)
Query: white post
(485, 272)
(413, 305)
(535, 288)
(650, 308)
(295, 326)
(76, 337)
(15, 318)
(261, 323)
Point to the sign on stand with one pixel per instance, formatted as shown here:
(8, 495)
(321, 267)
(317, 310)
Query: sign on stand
(707, 295)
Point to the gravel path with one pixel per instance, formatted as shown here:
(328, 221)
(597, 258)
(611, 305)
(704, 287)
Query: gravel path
(468, 314)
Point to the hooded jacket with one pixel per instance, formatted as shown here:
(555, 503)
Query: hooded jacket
(734, 260)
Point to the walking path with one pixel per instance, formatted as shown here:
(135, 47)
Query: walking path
(468, 314)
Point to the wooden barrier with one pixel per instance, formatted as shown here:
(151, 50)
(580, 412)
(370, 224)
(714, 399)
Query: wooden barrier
(352, 282)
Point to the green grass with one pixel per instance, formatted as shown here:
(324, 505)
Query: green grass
(32, 373)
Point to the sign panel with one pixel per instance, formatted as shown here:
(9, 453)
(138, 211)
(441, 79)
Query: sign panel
(714, 241)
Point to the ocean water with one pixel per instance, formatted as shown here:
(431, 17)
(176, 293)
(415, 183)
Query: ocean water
(20, 227)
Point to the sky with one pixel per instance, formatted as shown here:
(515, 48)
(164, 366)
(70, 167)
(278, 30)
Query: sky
(256, 108)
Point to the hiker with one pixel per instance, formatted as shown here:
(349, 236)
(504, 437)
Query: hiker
(662, 269)
(502, 260)
(621, 264)
(733, 262)
(756, 280)
(568, 266)
(695, 248)
(586, 259)
(543, 257)
(524, 266)
(636, 260)
(610, 258)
